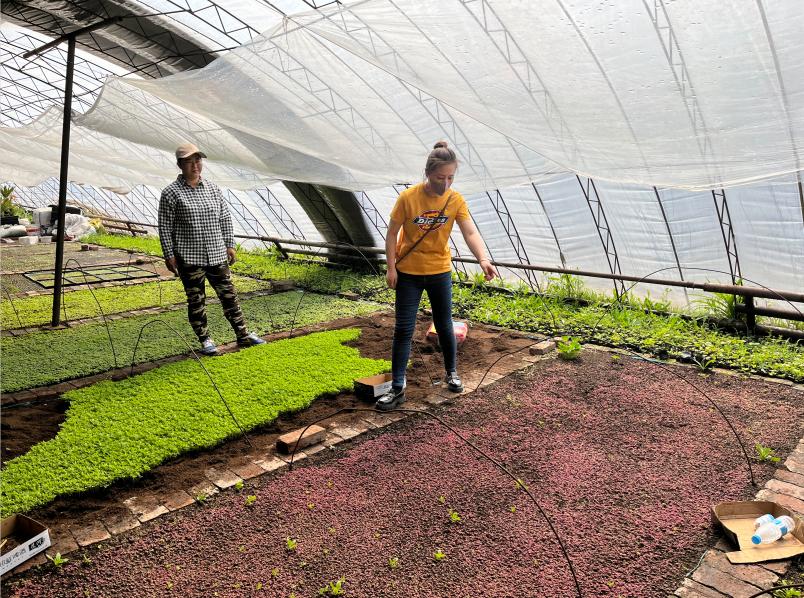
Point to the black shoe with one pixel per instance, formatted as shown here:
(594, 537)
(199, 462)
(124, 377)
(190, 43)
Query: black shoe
(250, 340)
(390, 400)
(454, 382)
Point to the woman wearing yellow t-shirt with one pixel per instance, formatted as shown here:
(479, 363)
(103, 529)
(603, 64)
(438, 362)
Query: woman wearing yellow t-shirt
(419, 260)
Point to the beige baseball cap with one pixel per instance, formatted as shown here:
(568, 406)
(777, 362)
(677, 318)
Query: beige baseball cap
(185, 150)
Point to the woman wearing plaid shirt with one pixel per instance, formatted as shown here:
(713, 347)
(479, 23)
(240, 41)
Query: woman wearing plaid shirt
(195, 230)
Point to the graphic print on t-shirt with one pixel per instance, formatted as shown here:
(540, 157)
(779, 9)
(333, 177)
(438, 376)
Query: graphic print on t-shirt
(430, 220)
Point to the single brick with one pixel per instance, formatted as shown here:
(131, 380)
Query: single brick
(312, 435)
(117, 524)
(790, 476)
(723, 582)
(435, 399)
(248, 470)
(270, 463)
(692, 589)
(90, 534)
(542, 348)
(144, 510)
(222, 479)
(331, 440)
(344, 431)
(177, 500)
(793, 490)
(205, 488)
(752, 574)
(794, 504)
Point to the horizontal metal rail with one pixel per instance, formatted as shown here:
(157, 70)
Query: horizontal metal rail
(745, 291)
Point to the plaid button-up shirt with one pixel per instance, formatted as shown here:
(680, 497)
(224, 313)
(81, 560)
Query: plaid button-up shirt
(194, 223)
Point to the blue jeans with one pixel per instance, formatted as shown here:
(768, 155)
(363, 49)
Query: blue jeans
(409, 289)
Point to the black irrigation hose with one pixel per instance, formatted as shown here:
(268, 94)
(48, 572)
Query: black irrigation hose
(777, 588)
(100, 309)
(195, 356)
(518, 481)
(682, 378)
(496, 361)
(14, 307)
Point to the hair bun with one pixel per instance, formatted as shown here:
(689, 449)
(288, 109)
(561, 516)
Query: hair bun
(440, 144)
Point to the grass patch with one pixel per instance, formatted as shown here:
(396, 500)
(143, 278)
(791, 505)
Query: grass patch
(147, 244)
(37, 310)
(43, 358)
(636, 325)
(120, 430)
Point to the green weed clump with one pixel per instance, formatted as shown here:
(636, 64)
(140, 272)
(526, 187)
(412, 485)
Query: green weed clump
(120, 430)
(33, 311)
(43, 358)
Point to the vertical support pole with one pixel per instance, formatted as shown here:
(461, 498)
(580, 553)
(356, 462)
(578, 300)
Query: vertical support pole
(65, 155)
(750, 314)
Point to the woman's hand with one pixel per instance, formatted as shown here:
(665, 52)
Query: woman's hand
(391, 278)
(489, 271)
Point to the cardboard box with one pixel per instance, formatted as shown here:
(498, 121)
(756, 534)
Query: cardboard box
(33, 538)
(372, 387)
(737, 519)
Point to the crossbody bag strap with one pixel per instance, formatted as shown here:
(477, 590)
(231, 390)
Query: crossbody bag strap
(427, 232)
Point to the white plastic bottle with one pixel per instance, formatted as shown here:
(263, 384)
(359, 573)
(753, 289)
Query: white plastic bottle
(770, 532)
(767, 518)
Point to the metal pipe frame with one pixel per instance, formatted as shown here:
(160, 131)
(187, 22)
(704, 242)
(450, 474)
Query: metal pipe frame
(727, 232)
(603, 231)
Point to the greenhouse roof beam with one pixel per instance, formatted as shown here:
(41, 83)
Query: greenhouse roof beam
(603, 230)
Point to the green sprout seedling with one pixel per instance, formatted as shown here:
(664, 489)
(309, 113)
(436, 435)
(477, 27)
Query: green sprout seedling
(569, 348)
(57, 560)
(520, 485)
(788, 592)
(513, 508)
(438, 555)
(333, 588)
(393, 562)
(454, 517)
(238, 485)
(704, 363)
(290, 544)
(442, 499)
(275, 572)
(766, 453)
(250, 500)
(201, 497)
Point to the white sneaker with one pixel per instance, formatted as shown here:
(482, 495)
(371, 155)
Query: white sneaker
(208, 347)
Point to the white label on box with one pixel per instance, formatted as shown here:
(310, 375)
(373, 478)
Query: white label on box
(24, 551)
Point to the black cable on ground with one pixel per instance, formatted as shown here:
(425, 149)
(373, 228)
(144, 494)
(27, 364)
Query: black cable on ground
(100, 309)
(499, 465)
(16, 313)
(666, 367)
(203, 367)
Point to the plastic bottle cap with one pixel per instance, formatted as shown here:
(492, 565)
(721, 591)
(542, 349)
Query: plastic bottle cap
(755, 539)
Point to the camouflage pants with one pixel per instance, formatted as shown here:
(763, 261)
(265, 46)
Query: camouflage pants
(220, 278)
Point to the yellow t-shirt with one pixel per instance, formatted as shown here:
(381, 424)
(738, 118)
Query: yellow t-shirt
(418, 211)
